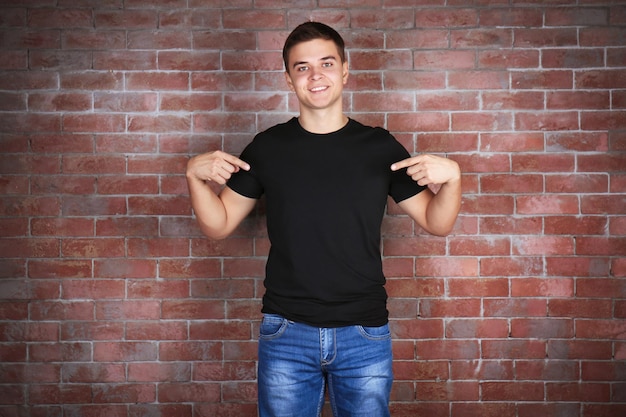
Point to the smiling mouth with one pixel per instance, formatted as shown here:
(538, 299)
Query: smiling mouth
(318, 89)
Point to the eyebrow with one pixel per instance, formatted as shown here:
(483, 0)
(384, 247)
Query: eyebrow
(326, 58)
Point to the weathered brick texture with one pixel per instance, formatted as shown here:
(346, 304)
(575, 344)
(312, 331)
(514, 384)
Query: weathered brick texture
(113, 304)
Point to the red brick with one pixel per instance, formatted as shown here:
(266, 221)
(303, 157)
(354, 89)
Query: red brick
(542, 328)
(575, 391)
(192, 309)
(481, 120)
(410, 80)
(228, 40)
(215, 371)
(195, 102)
(125, 102)
(124, 351)
(469, 307)
(614, 246)
(128, 268)
(60, 18)
(470, 409)
(128, 310)
(447, 18)
(511, 226)
(134, 393)
(147, 410)
(92, 289)
(189, 392)
(439, 59)
(61, 352)
(59, 394)
(29, 248)
(93, 373)
(533, 37)
(158, 39)
(415, 287)
(123, 60)
(127, 184)
(546, 79)
(222, 330)
(131, 143)
(54, 310)
(547, 371)
(417, 370)
(94, 123)
(92, 80)
(482, 370)
(481, 287)
(252, 61)
(91, 330)
(14, 351)
(158, 247)
(604, 410)
(579, 349)
(190, 351)
(519, 349)
(223, 122)
(29, 331)
(600, 329)
(511, 391)
(603, 204)
(510, 266)
(185, 18)
(159, 372)
(505, 59)
(157, 81)
(156, 205)
(547, 204)
(158, 124)
(126, 19)
(447, 349)
(90, 39)
(181, 268)
(473, 328)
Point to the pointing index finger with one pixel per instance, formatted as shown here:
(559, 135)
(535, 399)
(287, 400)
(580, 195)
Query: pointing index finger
(237, 162)
(404, 163)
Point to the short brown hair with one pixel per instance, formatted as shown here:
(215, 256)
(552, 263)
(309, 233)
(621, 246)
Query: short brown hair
(309, 31)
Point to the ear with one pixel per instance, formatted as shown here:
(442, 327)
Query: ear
(346, 72)
(289, 81)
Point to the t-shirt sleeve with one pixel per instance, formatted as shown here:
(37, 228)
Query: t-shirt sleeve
(402, 186)
(244, 182)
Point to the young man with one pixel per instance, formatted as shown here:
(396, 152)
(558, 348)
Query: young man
(326, 179)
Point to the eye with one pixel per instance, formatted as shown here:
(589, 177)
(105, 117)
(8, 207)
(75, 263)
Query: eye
(302, 68)
(327, 64)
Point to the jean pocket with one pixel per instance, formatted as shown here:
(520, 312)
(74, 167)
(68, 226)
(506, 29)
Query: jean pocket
(272, 326)
(375, 333)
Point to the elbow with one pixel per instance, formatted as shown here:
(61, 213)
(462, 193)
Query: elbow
(441, 231)
(214, 234)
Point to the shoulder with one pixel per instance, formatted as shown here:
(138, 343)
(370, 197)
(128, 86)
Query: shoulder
(279, 129)
(374, 131)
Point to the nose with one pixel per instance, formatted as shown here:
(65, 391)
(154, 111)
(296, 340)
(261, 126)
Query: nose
(315, 73)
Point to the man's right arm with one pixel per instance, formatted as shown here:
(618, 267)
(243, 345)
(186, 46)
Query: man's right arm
(218, 214)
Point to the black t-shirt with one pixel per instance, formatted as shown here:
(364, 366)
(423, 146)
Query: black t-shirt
(325, 199)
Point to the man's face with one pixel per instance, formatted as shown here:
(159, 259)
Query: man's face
(316, 74)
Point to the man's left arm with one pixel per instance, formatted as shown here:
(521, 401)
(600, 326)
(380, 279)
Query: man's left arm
(435, 213)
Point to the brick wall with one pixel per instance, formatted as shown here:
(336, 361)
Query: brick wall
(113, 304)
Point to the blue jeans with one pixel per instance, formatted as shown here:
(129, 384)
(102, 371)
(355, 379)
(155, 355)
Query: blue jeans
(297, 362)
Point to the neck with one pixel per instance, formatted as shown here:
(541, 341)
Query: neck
(322, 122)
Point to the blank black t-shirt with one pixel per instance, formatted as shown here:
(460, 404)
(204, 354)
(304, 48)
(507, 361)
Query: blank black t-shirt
(325, 199)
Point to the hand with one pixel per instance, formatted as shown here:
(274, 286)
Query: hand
(215, 166)
(429, 169)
